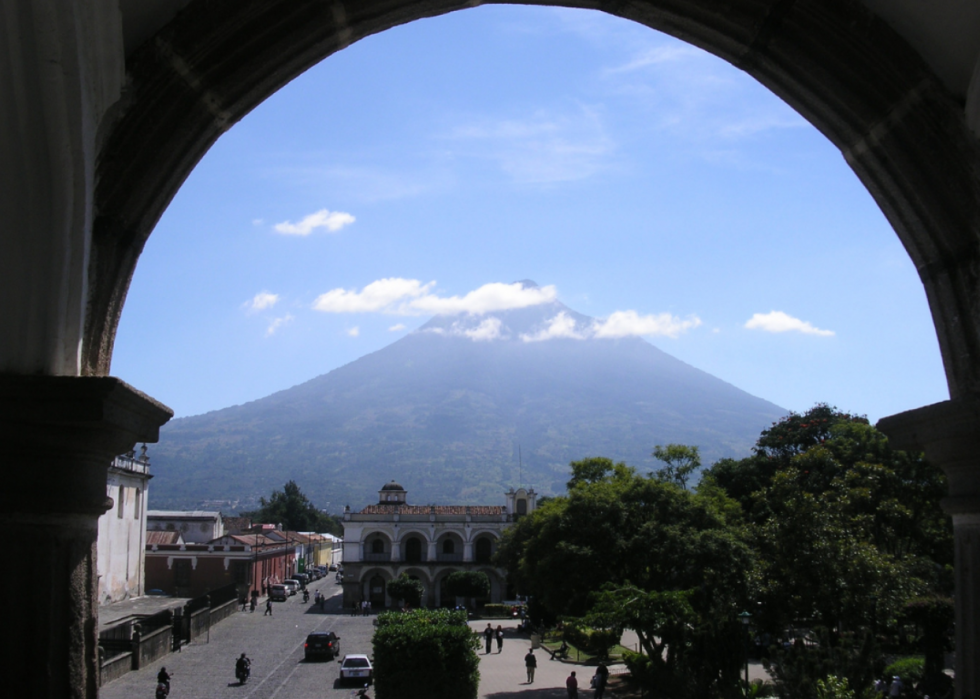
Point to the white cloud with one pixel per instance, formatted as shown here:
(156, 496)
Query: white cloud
(656, 55)
(381, 295)
(261, 301)
(397, 327)
(779, 322)
(399, 296)
(486, 299)
(278, 323)
(258, 221)
(487, 330)
(354, 332)
(561, 326)
(333, 221)
(627, 323)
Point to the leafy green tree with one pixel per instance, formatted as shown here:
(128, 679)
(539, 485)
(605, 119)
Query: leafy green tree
(681, 460)
(294, 511)
(468, 583)
(626, 551)
(425, 654)
(409, 590)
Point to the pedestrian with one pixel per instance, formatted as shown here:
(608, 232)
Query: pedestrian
(571, 686)
(530, 663)
(251, 604)
(244, 603)
(895, 690)
(500, 638)
(488, 637)
(268, 607)
(600, 678)
(369, 607)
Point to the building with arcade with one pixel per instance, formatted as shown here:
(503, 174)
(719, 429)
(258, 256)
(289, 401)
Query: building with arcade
(427, 542)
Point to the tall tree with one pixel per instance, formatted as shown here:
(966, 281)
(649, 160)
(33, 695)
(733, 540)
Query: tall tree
(294, 511)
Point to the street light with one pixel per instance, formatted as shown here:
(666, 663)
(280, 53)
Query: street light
(746, 619)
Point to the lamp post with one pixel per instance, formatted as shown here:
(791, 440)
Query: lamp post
(746, 618)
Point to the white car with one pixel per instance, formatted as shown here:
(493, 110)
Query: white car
(356, 667)
(292, 586)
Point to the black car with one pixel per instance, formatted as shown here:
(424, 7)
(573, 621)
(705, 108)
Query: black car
(322, 644)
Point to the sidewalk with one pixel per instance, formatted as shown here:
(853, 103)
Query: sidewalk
(502, 675)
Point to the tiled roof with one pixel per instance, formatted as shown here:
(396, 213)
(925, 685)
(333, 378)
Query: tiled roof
(161, 537)
(433, 509)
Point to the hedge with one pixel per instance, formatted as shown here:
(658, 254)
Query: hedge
(425, 654)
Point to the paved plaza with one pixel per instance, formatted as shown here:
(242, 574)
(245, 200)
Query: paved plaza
(205, 670)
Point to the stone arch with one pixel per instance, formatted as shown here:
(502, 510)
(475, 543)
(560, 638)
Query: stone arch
(484, 546)
(450, 546)
(376, 546)
(838, 65)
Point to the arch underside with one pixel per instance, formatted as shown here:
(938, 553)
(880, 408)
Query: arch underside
(833, 61)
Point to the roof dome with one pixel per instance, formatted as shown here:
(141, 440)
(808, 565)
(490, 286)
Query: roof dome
(392, 486)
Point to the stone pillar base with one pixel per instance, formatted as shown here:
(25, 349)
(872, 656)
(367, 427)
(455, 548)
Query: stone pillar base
(58, 436)
(949, 434)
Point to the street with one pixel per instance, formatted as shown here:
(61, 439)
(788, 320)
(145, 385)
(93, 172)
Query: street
(275, 646)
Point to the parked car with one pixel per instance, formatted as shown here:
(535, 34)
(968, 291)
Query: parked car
(333, 568)
(356, 667)
(301, 578)
(278, 592)
(291, 585)
(321, 644)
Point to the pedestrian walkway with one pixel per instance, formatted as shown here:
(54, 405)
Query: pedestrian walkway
(502, 675)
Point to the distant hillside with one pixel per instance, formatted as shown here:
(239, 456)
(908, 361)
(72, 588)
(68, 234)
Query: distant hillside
(444, 413)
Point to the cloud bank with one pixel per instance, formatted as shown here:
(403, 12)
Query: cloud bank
(332, 221)
(779, 322)
(261, 301)
(410, 297)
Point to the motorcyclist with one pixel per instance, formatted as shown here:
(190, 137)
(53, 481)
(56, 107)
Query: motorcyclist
(163, 677)
(306, 595)
(243, 668)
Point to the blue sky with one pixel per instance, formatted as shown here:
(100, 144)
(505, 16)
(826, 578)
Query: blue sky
(635, 178)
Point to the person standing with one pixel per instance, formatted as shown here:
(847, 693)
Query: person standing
(488, 637)
(571, 686)
(601, 677)
(530, 663)
(268, 607)
(895, 690)
(499, 633)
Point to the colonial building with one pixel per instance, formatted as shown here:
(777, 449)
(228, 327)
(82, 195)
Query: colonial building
(195, 527)
(428, 542)
(122, 530)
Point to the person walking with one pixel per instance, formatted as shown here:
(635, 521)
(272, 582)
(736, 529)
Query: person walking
(488, 637)
(571, 686)
(895, 690)
(530, 663)
(268, 607)
(499, 633)
(601, 677)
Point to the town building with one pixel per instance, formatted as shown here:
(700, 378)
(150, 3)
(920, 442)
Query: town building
(195, 527)
(427, 542)
(122, 529)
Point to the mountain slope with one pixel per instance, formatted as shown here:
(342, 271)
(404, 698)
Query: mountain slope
(446, 415)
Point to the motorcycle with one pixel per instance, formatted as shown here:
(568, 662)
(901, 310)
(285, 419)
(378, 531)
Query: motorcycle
(163, 689)
(242, 672)
(306, 595)
(360, 693)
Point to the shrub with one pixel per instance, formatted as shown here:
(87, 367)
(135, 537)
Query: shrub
(425, 654)
(834, 688)
(468, 583)
(909, 669)
(410, 590)
(496, 610)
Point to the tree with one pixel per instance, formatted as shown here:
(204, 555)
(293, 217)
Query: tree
(293, 510)
(626, 551)
(468, 583)
(681, 461)
(425, 654)
(409, 590)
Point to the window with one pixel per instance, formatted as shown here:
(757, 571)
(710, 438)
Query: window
(449, 546)
(522, 507)
(377, 546)
(239, 570)
(182, 573)
(137, 504)
(122, 502)
(413, 550)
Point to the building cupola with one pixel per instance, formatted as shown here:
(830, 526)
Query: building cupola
(392, 494)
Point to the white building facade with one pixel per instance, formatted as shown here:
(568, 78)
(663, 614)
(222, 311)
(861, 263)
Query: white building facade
(195, 526)
(122, 530)
(427, 542)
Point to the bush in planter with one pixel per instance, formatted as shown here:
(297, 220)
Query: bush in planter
(425, 654)
(496, 610)
(409, 590)
(909, 669)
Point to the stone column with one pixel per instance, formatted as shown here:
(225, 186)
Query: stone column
(433, 554)
(58, 436)
(468, 552)
(949, 434)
